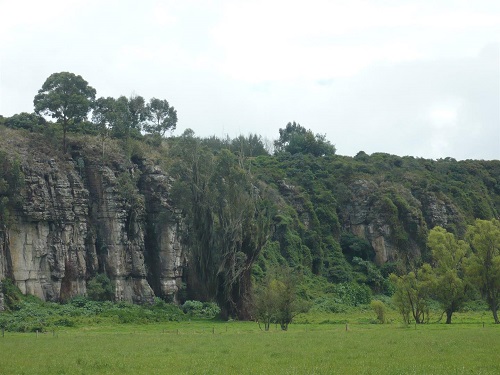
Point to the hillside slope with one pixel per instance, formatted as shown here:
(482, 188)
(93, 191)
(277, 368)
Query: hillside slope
(169, 219)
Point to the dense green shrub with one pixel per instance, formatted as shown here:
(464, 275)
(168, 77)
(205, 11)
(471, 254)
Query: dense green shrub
(12, 295)
(34, 315)
(23, 120)
(352, 294)
(11, 181)
(100, 288)
(354, 246)
(328, 305)
(379, 309)
(199, 309)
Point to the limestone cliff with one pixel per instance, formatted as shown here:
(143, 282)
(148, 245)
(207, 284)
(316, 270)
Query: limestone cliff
(82, 216)
(2, 307)
(96, 209)
(393, 220)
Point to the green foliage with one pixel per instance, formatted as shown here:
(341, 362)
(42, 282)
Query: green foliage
(23, 120)
(100, 288)
(483, 266)
(275, 300)
(402, 212)
(104, 115)
(128, 114)
(368, 273)
(162, 117)
(248, 212)
(126, 184)
(447, 277)
(329, 305)
(11, 294)
(354, 246)
(352, 294)
(66, 97)
(11, 182)
(296, 139)
(379, 309)
(125, 118)
(229, 219)
(411, 295)
(197, 309)
(29, 314)
(250, 146)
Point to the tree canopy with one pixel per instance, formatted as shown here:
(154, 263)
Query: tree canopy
(161, 115)
(483, 267)
(228, 220)
(65, 97)
(296, 139)
(448, 255)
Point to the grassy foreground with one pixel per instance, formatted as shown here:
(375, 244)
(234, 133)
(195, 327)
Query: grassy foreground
(206, 347)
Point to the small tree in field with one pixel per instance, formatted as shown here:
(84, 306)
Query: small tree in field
(412, 294)
(265, 304)
(275, 300)
(483, 266)
(447, 277)
(379, 309)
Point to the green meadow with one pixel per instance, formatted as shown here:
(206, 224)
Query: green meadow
(470, 346)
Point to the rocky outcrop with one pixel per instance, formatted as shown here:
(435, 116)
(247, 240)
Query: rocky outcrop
(2, 307)
(166, 258)
(81, 217)
(393, 220)
(361, 218)
(439, 211)
(46, 247)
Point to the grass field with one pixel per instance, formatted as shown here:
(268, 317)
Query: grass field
(207, 347)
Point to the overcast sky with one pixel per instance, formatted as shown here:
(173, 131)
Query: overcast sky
(414, 78)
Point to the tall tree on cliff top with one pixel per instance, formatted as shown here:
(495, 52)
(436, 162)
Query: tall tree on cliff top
(65, 97)
(137, 112)
(104, 117)
(296, 139)
(162, 117)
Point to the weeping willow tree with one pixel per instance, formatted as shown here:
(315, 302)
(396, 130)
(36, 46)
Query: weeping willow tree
(228, 221)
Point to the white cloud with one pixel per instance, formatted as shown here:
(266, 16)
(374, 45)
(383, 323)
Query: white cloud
(288, 40)
(378, 75)
(25, 17)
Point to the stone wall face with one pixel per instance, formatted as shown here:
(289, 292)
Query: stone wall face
(2, 307)
(367, 216)
(76, 222)
(167, 257)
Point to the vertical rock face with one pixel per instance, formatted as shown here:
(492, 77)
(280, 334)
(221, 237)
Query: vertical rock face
(46, 247)
(78, 219)
(440, 212)
(119, 234)
(363, 221)
(2, 308)
(393, 220)
(166, 258)
(389, 217)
